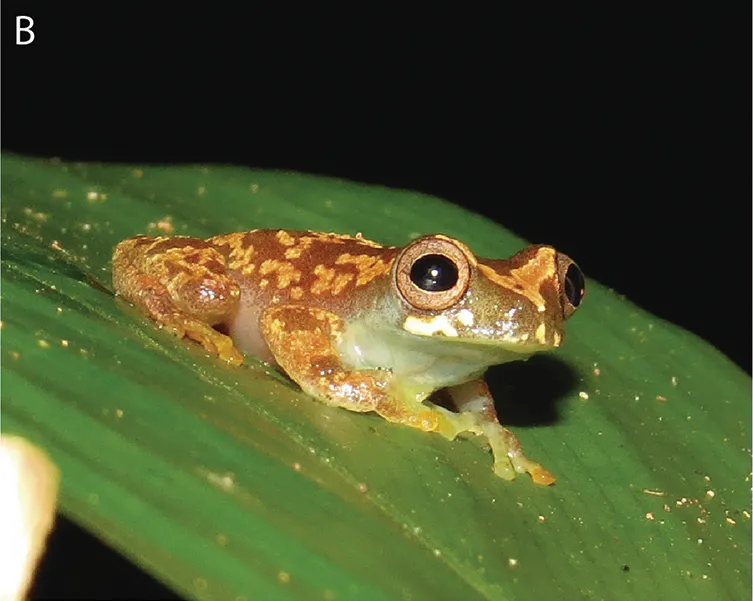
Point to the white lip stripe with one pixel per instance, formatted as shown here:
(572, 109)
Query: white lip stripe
(439, 324)
(465, 317)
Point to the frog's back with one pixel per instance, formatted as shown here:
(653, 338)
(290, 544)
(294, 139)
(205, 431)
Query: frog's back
(303, 268)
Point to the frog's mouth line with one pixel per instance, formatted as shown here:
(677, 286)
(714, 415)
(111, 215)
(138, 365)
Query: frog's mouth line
(510, 345)
(469, 344)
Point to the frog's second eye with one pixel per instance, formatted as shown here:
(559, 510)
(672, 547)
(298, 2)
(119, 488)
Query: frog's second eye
(572, 284)
(575, 285)
(432, 273)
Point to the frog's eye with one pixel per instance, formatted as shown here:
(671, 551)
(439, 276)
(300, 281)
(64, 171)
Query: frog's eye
(573, 284)
(433, 273)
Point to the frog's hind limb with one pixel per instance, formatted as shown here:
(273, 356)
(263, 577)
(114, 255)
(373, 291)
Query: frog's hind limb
(182, 284)
(302, 341)
(474, 398)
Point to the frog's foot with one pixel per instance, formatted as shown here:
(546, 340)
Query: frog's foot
(214, 342)
(509, 458)
(473, 398)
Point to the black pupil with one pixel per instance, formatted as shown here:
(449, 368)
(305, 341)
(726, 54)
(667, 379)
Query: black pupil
(575, 285)
(434, 273)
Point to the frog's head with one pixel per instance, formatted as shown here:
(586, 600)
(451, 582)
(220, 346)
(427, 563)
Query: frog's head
(517, 304)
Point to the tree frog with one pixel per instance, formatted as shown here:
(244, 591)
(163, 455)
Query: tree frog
(362, 326)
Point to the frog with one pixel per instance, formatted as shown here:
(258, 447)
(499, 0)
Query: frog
(366, 327)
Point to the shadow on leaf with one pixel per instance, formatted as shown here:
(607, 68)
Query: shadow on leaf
(527, 393)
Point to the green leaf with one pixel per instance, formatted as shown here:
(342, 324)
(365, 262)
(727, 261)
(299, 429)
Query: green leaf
(229, 483)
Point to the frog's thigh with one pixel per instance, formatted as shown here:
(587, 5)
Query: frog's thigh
(174, 300)
(301, 339)
(474, 398)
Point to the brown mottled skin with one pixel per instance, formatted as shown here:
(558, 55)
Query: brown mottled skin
(264, 264)
(308, 302)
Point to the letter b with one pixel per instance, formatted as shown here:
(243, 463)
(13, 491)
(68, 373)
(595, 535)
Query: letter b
(27, 29)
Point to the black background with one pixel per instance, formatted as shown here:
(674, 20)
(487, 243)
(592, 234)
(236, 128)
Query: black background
(614, 135)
